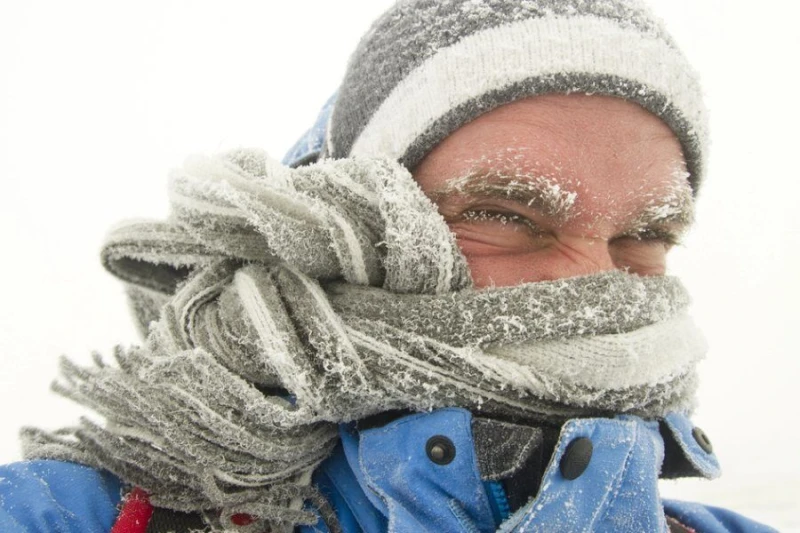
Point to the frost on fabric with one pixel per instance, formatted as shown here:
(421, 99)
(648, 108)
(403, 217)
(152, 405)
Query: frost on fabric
(407, 29)
(608, 303)
(338, 284)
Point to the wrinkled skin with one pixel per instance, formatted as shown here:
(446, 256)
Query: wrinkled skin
(559, 186)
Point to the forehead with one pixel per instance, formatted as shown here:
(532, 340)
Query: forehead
(612, 154)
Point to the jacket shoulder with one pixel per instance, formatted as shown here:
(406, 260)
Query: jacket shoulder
(710, 519)
(57, 496)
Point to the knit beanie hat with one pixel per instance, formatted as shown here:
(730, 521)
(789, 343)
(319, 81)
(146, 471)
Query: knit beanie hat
(427, 67)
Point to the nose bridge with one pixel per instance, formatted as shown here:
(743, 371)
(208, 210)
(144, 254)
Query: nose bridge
(584, 255)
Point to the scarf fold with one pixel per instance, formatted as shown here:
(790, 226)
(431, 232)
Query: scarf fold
(280, 303)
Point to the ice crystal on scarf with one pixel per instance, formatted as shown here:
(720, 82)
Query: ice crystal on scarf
(279, 303)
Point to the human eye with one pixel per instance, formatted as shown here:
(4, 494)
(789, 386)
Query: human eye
(491, 229)
(497, 219)
(644, 251)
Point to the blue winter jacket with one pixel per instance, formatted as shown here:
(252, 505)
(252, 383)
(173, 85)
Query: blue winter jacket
(440, 472)
(422, 473)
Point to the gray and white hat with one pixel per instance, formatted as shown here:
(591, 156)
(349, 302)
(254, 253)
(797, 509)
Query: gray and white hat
(427, 67)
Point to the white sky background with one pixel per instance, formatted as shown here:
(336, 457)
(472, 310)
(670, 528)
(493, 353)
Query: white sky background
(98, 100)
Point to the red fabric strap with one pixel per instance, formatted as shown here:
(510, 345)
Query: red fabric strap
(135, 514)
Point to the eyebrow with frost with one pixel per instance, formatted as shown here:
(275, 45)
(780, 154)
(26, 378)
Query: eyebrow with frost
(666, 215)
(537, 192)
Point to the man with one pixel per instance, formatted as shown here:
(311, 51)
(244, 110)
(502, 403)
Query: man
(478, 338)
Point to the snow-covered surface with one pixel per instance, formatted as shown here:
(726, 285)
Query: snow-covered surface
(98, 100)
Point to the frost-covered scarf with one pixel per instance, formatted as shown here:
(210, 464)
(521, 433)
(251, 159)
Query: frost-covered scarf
(283, 302)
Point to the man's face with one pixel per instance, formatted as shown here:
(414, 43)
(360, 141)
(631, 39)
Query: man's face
(559, 186)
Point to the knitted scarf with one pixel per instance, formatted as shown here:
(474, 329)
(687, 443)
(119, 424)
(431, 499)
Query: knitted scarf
(281, 302)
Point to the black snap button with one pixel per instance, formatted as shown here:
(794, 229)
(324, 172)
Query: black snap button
(440, 450)
(576, 458)
(702, 439)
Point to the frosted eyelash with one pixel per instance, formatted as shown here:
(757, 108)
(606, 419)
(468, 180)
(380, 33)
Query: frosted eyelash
(667, 237)
(482, 215)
